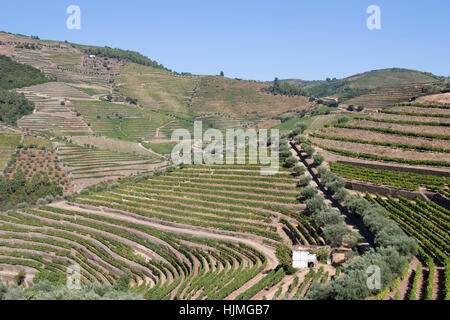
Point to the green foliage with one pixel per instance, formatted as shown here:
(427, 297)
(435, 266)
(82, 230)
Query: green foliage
(342, 87)
(315, 204)
(269, 281)
(284, 88)
(301, 126)
(13, 106)
(398, 179)
(308, 149)
(20, 277)
(18, 189)
(290, 162)
(327, 217)
(284, 255)
(308, 193)
(54, 278)
(17, 75)
(397, 132)
(318, 159)
(412, 294)
(44, 290)
(299, 170)
(416, 114)
(334, 234)
(120, 54)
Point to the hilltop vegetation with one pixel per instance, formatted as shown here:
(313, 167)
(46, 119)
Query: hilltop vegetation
(364, 82)
(119, 54)
(16, 75)
(284, 88)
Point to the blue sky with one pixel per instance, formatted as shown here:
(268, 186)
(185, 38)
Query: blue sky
(253, 39)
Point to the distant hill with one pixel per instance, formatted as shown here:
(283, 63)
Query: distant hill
(402, 84)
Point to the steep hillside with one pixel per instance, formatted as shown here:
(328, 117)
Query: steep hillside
(377, 87)
(15, 75)
(241, 98)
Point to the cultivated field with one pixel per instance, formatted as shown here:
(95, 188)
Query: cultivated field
(87, 166)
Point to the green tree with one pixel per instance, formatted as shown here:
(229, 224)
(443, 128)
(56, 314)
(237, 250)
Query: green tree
(20, 277)
(334, 234)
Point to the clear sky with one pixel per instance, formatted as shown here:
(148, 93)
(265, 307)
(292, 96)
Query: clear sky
(252, 39)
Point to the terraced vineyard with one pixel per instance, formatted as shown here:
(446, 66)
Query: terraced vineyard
(385, 96)
(402, 139)
(88, 166)
(428, 223)
(8, 144)
(117, 120)
(50, 114)
(33, 160)
(397, 179)
(56, 61)
(209, 235)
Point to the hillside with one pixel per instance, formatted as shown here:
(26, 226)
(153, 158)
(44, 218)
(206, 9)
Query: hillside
(377, 87)
(15, 75)
(87, 181)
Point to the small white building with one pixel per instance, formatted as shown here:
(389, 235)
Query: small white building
(302, 258)
(92, 56)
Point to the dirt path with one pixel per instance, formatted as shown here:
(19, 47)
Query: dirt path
(151, 151)
(164, 125)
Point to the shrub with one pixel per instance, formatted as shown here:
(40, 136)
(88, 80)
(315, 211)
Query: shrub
(334, 234)
(322, 170)
(341, 195)
(343, 119)
(20, 277)
(351, 239)
(300, 139)
(301, 126)
(100, 188)
(318, 159)
(299, 170)
(328, 216)
(41, 202)
(308, 193)
(315, 204)
(290, 162)
(304, 181)
(334, 183)
(308, 149)
(284, 255)
(285, 153)
(22, 205)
